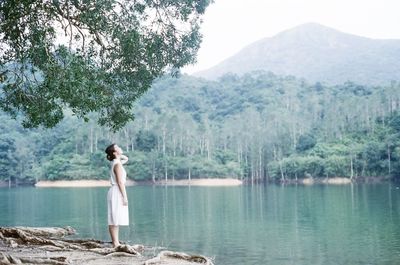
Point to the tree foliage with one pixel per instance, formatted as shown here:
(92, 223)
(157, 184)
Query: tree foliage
(281, 128)
(90, 56)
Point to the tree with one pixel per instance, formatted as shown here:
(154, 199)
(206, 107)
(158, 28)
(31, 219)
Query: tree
(305, 142)
(90, 56)
(145, 140)
(394, 121)
(8, 161)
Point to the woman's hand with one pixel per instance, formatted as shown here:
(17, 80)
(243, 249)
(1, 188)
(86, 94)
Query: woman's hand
(123, 159)
(125, 202)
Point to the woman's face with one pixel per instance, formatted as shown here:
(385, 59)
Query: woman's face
(118, 151)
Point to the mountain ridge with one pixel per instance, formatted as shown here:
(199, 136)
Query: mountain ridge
(317, 53)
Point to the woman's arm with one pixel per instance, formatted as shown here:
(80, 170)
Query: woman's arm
(123, 159)
(121, 185)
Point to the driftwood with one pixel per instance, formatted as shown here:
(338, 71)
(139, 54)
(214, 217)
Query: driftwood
(27, 245)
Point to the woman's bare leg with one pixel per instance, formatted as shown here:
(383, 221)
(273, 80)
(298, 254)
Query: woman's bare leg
(114, 229)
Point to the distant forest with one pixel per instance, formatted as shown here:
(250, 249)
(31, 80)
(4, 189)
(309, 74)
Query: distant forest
(255, 127)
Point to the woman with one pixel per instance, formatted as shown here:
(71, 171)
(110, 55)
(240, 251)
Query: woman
(117, 199)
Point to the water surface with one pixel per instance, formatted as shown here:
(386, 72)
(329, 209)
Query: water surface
(350, 224)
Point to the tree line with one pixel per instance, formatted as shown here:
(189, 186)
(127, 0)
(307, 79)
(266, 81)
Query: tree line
(254, 127)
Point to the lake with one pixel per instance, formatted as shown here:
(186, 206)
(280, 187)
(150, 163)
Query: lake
(272, 224)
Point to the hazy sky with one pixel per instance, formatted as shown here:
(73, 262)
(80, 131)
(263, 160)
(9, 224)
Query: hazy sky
(230, 25)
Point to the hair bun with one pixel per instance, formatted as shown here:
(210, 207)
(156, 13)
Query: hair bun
(110, 152)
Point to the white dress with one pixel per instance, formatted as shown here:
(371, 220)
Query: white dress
(118, 214)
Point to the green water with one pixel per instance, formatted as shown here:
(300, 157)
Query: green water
(351, 224)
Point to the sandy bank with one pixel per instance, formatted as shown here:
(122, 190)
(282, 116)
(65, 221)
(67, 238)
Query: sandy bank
(3, 184)
(77, 183)
(335, 181)
(202, 182)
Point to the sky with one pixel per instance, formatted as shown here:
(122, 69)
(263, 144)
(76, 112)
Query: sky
(230, 25)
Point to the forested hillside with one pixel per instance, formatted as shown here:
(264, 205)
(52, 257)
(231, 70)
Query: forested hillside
(317, 53)
(255, 127)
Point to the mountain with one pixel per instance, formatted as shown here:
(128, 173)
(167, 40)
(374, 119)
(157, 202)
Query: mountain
(317, 53)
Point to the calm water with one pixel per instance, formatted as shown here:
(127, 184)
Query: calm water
(354, 224)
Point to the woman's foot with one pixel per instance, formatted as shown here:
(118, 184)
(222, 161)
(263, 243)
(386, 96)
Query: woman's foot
(116, 245)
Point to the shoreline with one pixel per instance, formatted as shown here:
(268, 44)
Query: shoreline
(106, 183)
(205, 182)
(83, 183)
(217, 182)
(335, 181)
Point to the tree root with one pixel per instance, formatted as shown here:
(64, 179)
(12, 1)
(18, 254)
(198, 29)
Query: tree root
(39, 231)
(51, 239)
(9, 259)
(15, 236)
(178, 255)
(45, 243)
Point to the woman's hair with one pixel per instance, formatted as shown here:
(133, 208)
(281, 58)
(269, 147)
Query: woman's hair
(110, 152)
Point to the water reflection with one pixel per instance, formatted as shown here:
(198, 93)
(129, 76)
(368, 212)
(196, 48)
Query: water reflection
(351, 224)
